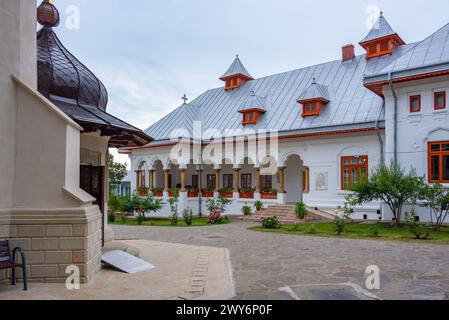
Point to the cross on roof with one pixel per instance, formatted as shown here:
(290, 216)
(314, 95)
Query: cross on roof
(185, 98)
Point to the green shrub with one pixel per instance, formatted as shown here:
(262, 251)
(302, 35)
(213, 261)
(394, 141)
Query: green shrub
(174, 215)
(300, 210)
(111, 218)
(246, 210)
(339, 225)
(188, 216)
(219, 204)
(419, 231)
(271, 223)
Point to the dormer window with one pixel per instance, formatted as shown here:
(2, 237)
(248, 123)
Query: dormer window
(314, 99)
(381, 40)
(236, 75)
(253, 109)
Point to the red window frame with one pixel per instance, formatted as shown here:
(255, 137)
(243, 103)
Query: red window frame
(435, 100)
(412, 98)
(246, 180)
(440, 154)
(362, 163)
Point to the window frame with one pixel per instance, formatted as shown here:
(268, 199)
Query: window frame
(245, 179)
(226, 179)
(211, 178)
(435, 100)
(412, 97)
(350, 167)
(440, 154)
(266, 182)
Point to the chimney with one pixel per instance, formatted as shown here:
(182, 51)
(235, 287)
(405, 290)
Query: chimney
(348, 52)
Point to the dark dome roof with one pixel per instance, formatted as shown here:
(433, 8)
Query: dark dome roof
(60, 74)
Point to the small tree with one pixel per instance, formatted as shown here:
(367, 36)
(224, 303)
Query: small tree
(141, 205)
(436, 198)
(117, 172)
(174, 215)
(391, 185)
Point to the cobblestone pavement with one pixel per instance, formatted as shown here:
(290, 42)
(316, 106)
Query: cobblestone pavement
(275, 266)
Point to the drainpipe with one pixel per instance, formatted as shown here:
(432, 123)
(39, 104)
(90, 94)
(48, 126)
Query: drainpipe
(390, 81)
(379, 136)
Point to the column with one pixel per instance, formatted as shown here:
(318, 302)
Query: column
(236, 180)
(258, 181)
(282, 180)
(217, 180)
(137, 179)
(166, 182)
(151, 175)
(183, 180)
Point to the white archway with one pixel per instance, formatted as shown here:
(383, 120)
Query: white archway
(294, 178)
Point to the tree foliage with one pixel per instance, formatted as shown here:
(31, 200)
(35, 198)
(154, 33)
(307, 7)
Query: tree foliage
(141, 205)
(117, 171)
(392, 185)
(436, 198)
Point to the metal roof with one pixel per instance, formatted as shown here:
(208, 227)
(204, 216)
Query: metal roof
(351, 104)
(254, 102)
(236, 67)
(380, 29)
(315, 91)
(422, 56)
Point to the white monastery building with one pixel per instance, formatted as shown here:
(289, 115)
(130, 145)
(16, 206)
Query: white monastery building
(307, 134)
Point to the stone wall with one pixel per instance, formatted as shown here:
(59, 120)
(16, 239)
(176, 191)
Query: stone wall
(55, 239)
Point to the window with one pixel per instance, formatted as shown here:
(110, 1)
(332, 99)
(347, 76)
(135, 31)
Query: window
(266, 182)
(415, 104)
(211, 181)
(312, 107)
(352, 169)
(195, 181)
(440, 100)
(251, 116)
(228, 181)
(248, 117)
(439, 162)
(246, 180)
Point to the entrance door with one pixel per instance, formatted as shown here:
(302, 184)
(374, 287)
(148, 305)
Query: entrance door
(91, 181)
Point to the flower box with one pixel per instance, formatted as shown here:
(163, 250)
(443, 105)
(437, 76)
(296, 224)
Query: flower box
(269, 196)
(246, 195)
(207, 194)
(158, 194)
(192, 194)
(227, 195)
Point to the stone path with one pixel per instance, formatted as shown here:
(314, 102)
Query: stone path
(276, 266)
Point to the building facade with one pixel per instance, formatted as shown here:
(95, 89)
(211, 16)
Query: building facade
(307, 134)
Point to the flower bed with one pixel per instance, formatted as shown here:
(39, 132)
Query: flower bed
(158, 194)
(269, 196)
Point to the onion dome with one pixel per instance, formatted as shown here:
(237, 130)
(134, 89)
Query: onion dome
(70, 85)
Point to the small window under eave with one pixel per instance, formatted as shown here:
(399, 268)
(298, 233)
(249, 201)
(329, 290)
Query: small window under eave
(252, 116)
(312, 107)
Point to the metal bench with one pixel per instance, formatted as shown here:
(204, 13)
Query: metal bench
(8, 261)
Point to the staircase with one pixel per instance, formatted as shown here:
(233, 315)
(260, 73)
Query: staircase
(286, 215)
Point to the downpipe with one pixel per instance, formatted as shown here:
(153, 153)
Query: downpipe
(395, 119)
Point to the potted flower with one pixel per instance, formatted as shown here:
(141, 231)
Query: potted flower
(173, 193)
(207, 192)
(258, 205)
(158, 192)
(246, 193)
(226, 193)
(301, 211)
(246, 210)
(142, 191)
(269, 194)
(192, 193)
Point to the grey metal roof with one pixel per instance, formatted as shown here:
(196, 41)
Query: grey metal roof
(380, 29)
(432, 51)
(236, 67)
(350, 102)
(254, 102)
(314, 91)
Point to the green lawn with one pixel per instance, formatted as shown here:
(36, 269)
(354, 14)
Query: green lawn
(358, 231)
(197, 222)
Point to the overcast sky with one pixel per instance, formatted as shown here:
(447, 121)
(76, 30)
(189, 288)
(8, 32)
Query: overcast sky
(149, 53)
